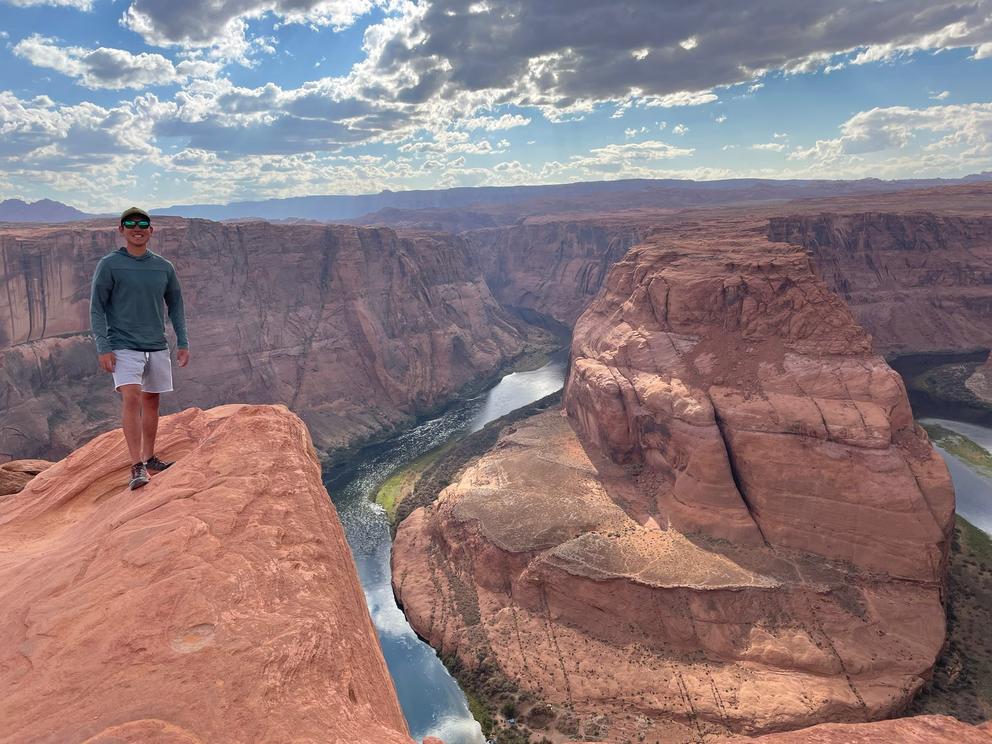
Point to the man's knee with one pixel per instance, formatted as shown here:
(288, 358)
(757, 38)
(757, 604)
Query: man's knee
(130, 395)
(150, 400)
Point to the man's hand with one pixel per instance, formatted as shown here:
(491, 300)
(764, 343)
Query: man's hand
(108, 361)
(182, 356)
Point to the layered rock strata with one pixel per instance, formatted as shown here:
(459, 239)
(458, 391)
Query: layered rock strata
(15, 475)
(917, 282)
(738, 528)
(220, 603)
(552, 267)
(356, 329)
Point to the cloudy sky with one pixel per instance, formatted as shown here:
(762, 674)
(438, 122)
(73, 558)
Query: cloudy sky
(161, 102)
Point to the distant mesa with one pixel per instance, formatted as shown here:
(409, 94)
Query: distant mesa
(45, 210)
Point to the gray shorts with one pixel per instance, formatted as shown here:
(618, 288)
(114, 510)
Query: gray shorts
(150, 369)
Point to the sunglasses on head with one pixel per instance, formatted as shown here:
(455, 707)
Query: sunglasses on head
(136, 223)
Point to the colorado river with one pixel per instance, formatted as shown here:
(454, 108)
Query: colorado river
(432, 702)
(973, 491)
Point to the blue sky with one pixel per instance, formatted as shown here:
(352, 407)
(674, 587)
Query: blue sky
(160, 102)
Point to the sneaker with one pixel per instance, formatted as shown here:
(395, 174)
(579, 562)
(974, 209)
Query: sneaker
(153, 463)
(139, 476)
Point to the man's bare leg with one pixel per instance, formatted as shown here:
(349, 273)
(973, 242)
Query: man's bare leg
(149, 424)
(131, 420)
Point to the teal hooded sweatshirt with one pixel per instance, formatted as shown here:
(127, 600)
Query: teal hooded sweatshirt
(126, 303)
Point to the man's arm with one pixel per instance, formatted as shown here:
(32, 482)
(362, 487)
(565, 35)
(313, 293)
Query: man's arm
(177, 315)
(103, 285)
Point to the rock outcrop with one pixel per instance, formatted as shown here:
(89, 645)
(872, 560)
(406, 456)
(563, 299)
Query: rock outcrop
(551, 267)
(739, 528)
(220, 603)
(917, 282)
(980, 382)
(356, 329)
(16, 474)
(916, 730)
(757, 406)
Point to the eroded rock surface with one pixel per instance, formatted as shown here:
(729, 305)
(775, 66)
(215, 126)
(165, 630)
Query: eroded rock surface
(220, 603)
(356, 329)
(744, 530)
(16, 474)
(917, 282)
(755, 404)
(916, 730)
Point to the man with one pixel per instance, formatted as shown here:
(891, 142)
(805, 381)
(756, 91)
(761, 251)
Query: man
(128, 325)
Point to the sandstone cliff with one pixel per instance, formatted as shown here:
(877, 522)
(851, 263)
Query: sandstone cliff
(739, 527)
(552, 267)
(218, 604)
(356, 329)
(917, 282)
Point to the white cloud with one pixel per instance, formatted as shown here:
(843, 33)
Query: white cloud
(720, 119)
(84, 5)
(103, 67)
(954, 133)
(219, 24)
(680, 129)
(769, 146)
(490, 124)
(944, 94)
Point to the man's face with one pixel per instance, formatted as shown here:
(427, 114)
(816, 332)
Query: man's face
(136, 231)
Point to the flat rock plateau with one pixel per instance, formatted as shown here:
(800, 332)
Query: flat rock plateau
(219, 603)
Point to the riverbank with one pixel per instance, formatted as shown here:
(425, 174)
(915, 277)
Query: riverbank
(974, 455)
(962, 682)
(936, 385)
(541, 345)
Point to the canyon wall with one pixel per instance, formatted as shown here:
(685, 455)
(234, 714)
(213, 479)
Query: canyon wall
(219, 603)
(356, 329)
(918, 282)
(738, 528)
(551, 267)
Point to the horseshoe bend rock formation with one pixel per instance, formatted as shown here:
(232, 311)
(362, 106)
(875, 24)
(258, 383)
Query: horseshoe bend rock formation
(219, 603)
(356, 329)
(738, 528)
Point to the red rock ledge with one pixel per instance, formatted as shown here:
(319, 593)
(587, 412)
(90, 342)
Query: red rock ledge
(218, 604)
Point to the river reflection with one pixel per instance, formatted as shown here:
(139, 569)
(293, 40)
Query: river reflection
(432, 702)
(973, 491)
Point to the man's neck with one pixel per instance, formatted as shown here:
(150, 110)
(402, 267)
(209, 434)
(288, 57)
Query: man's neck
(136, 250)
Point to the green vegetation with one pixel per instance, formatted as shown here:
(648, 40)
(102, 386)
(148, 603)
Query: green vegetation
(979, 458)
(962, 681)
(401, 483)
